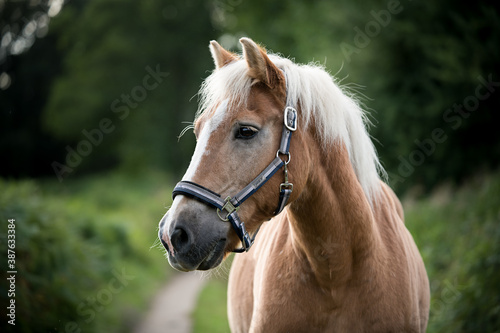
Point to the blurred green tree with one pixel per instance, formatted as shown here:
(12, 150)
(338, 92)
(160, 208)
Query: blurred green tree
(135, 66)
(440, 70)
(421, 65)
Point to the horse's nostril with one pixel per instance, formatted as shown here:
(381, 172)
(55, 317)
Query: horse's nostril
(160, 236)
(164, 244)
(180, 240)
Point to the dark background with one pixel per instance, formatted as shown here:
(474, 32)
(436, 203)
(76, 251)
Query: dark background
(412, 65)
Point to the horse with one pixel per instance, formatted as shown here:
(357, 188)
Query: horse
(284, 172)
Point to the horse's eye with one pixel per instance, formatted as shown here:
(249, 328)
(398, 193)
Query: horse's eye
(246, 132)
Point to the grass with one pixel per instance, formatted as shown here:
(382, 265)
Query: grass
(210, 314)
(73, 239)
(458, 233)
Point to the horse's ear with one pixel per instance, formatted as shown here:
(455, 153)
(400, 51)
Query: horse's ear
(221, 56)
(260, 67)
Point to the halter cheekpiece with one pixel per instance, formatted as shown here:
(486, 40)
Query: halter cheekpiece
(227, 209)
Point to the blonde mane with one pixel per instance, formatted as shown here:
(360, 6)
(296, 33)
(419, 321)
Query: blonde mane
(335, 111)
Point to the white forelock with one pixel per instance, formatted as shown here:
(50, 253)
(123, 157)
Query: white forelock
(335, 111)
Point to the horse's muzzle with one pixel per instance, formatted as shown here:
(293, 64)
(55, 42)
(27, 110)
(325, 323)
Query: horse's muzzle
(190, 248)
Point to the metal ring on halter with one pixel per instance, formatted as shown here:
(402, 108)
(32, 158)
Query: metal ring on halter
(229, 207)
(288, 154)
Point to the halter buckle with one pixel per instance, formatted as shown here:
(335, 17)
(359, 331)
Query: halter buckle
(228, 207)
(290, 118)
(286, 185)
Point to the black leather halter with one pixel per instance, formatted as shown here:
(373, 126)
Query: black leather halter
(230, 205)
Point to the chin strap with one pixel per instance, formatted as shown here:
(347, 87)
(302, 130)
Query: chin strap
(227, 209)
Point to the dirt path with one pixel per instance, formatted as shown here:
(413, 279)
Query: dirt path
(171, 310)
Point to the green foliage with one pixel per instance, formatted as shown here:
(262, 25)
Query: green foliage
(422, 64)
(440, 55)
(111, 49)
(51, 279)
(83, 252)
(458, 236)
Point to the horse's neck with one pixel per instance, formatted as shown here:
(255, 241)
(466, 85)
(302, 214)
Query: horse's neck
(332, 221)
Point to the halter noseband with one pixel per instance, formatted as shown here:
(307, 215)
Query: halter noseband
(230, 205)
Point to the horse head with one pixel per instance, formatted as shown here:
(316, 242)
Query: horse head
(239, 130)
